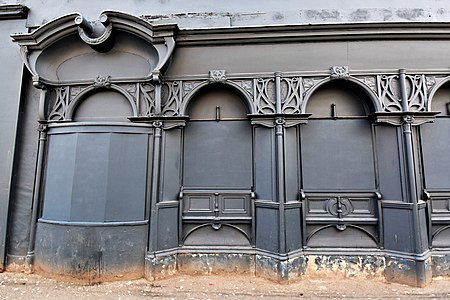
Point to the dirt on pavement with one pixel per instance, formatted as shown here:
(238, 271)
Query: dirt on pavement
(30, 286)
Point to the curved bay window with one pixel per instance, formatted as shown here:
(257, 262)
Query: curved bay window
(97, 169)
(217, 169)
(338, 169)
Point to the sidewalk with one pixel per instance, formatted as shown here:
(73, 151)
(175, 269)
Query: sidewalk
(23, 286)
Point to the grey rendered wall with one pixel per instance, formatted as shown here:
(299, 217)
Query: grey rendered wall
(24, 176)
(364, 55)
(10, 86)
(210, 13)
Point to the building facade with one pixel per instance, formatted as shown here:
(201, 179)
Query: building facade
(247, 139)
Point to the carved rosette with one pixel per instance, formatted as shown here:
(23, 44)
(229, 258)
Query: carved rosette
(339, 72)
(102, 82)
(217, 75)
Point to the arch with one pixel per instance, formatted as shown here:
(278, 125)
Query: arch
(436, 88)
(374, 102)
(91, 90)
(241, 92)
(235, 229)
(359, 228)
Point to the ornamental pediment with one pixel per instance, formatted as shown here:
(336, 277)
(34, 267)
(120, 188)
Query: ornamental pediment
(71, 49)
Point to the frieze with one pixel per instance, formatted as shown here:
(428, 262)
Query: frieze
(261, 90)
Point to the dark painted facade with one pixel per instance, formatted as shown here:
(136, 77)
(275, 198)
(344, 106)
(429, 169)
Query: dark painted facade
(132, 148)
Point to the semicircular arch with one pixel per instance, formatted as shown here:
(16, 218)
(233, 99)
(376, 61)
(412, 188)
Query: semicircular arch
(374, 101)
(238, 90)
(84, 94)
(435, 89)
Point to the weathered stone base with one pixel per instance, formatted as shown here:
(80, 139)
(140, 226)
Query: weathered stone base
(158, 267)
(344, 266)
(15, 263)
(90, 254)
(414, 271)
(216, 263)
(408, 271)
(440, 264)
(279, 269)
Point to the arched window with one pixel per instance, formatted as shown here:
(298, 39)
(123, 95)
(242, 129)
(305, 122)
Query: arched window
(338, 168)
(217, 141)
(217, 169)
(436, 166)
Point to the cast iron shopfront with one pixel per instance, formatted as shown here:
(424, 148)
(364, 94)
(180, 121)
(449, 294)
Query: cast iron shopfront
(162, 150)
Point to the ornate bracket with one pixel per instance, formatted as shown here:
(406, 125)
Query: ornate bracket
(165, 123)
(273, 120)
(400, 118)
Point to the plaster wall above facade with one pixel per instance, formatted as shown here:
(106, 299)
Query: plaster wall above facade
(234, 13)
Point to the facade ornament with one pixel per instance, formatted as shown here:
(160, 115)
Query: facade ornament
(339, 72)
(370, 82)
(102, 81)
(280, 121)
(339, 207)
(430, 82)
(217, 75)
(97, 34)
(307, 83)
(408, 119)
(157, 124)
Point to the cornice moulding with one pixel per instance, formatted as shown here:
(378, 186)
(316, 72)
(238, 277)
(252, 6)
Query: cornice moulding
(13, 11)
(314, 33)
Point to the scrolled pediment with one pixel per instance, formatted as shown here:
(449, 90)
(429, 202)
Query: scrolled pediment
(71, 49)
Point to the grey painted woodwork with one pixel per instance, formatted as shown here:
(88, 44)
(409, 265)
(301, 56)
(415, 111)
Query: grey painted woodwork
(96, 174)
(273, 142)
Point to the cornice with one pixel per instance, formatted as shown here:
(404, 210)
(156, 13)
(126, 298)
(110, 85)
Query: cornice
(315, 33)
(13, 11)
